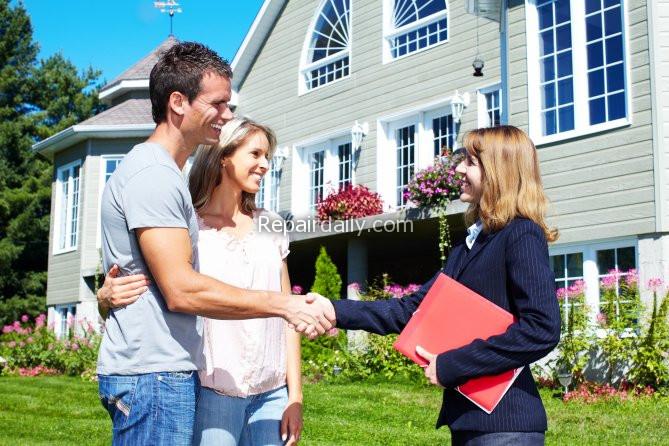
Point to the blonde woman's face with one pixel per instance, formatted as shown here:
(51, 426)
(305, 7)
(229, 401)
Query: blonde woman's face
(247, 166)
(471, 190)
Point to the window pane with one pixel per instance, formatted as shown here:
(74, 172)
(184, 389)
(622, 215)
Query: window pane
(563, 37)
(614, 49)
(612, 21)
(593, 27)
(566, 118)
(549, 95)
(545, 16)
(565, 91)
(592, 5)
(626, 258)
(546, 42)
(617, 106)
(575, 264)
(406, 12)
(557, 265)
(595, 55)
(564, 64)
(606, 260)
(549, 122)
(547, 69)
(597, 111)
(615, 78)
(562, 13)
(596, 83)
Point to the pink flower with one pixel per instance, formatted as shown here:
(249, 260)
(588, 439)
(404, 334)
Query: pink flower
(16, 325)
(11, 344)
(7, 329)
(354, 285)
(25, 318)
(561, 293)
(22, 344)
(576, 289)
(75, 346)
(296, 289)
(601, 319)
(609, 282)
(411, 288)
(30, 340)
(632, 278)
(655, 284)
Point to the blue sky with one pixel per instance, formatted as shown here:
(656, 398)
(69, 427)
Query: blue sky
(114, 34)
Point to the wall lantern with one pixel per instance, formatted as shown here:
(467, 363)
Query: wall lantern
(458, 104)
(280, 155)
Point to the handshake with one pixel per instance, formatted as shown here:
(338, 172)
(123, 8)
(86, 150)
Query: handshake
(312, 315)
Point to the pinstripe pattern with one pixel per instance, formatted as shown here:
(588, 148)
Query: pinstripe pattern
(510, 268)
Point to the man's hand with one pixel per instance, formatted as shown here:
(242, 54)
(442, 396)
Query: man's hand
(431, 368)
(120, 291)
(309, 314)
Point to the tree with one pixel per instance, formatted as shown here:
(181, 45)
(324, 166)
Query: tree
(327, 281)
(36, 101)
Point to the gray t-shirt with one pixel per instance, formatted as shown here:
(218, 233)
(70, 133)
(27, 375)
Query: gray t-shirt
(147, 190)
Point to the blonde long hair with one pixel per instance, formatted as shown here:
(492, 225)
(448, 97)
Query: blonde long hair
(511, 180)
(205, 174)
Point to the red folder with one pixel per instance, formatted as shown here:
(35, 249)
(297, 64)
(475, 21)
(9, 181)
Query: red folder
(451, 316)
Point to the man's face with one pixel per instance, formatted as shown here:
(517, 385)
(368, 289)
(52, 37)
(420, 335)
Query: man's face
(208, 111)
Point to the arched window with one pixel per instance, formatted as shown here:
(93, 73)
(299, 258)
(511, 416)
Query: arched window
(412, 25)
(327, 54)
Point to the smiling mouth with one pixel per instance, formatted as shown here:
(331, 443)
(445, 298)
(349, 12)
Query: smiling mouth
(217, 127)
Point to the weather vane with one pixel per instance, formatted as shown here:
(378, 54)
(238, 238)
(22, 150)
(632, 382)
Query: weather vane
(169, 6)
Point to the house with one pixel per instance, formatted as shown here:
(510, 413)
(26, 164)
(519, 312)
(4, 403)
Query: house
(364, 91)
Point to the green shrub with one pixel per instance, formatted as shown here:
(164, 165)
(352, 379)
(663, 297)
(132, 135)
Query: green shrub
(13, 308)
(327, 281)
(27, 346)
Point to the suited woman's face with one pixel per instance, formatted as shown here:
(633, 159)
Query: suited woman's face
(471, 190)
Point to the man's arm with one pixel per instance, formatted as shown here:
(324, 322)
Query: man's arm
(168, 254)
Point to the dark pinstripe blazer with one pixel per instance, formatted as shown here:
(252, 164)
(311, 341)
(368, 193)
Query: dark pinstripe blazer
(510, 268)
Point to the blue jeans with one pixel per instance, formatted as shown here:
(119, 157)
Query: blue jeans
(152, 408)
(472, 438)
(230, 421)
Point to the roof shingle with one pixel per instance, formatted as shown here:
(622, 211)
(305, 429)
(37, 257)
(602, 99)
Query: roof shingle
(130, 111)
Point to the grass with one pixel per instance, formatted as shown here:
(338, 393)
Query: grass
(60, 410)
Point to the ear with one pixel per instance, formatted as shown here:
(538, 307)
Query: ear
(177, 102)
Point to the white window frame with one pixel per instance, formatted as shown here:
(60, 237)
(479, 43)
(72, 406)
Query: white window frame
(62, 313)
(301, 174)
(582, 125)
(306, 66)
(482, 104)
(101, 188)
(58, 220)
(591, 275)
(270, 188)
(390, 32)
(422, 117)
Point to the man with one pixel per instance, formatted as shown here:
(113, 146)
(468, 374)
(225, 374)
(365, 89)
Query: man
(151, 349)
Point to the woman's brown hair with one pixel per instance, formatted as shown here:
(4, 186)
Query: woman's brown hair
(510, 181)
(205, 174)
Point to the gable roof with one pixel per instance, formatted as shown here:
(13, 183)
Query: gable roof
(254, 40)
(137, 76)
(130, 118)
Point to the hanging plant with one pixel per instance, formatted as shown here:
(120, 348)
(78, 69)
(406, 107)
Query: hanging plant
(434, 187)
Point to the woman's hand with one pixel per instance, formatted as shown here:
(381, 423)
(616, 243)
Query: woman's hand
(121, 291)
(431, 368)
(291, 423)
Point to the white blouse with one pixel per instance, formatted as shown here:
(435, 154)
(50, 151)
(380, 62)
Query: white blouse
(244, 357)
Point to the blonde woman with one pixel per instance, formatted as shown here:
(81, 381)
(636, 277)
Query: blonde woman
(505, 259)
(251, 390)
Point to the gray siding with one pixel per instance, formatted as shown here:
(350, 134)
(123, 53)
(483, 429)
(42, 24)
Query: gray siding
(270, 92)
(63, 278)
(600, 185)
(659, 37)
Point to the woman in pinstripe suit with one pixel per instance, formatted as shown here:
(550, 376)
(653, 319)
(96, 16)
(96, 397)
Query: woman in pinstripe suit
(505, 259)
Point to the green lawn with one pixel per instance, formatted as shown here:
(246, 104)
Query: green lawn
(58, 410)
